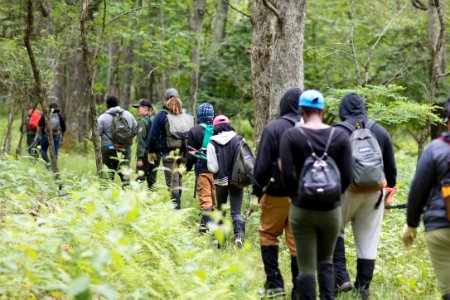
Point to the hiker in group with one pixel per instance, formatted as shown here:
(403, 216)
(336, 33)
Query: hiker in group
(169, 132)
(315, 213)
(146, 170)
(220, 155)
(273, 198)
(32, 118)
(58, 127)
(430, 194)
(373, 168)
(197, 142)
(117, 128)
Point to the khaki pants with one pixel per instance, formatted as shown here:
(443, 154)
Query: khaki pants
(275, 220)
(438, 241)
(206, 192)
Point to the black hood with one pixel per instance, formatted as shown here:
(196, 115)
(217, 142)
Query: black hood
(289, 101)
(352, 108)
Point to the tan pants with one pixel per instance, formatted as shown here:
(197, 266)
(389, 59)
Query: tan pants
(438, 241)
(206, 192)
(274, 220)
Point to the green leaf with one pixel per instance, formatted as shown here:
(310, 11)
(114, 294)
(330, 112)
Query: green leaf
(79, 285)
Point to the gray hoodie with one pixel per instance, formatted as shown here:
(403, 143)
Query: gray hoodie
(105, 121)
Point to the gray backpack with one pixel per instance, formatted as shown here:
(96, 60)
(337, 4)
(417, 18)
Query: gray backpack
(367, 158)
(55, 122)
(177, 129)
(243, 164)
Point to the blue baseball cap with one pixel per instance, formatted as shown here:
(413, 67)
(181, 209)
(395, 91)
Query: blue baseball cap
(312, 98)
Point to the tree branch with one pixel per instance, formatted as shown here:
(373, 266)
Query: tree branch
(352, 44)
(126, 13)
(273, 9)
(337, 50)
(443, 75)
(237, 10)
(419, 5)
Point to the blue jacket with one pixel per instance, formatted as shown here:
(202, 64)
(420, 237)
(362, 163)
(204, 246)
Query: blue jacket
(425, 193)
(156, 138)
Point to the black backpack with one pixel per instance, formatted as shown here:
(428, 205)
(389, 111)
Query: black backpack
(243, 163)
(320, 178)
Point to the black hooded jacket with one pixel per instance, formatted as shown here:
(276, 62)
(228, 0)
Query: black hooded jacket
(352, 110)
(266, 160)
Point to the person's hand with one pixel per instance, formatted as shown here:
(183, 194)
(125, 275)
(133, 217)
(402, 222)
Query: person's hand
(139, 164)
(182, 170)
(409, 234)
(151, 157)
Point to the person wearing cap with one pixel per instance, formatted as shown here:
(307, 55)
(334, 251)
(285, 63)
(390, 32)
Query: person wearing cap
(158, 141)
(196, 150)
(114, 158)
(362, 206)
(273, 197)
(219, 155)
(430, 195)
(58, 127)
(314, 224)
(146, 170)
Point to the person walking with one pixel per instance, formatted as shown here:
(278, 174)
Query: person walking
(169, 132)
(430, 195)
(146, 171)
(117, 127)
(220, 155)
(58, 127)
(32, 123)
(314, 222)
(273, 197)
(363, 205)
(197, 142)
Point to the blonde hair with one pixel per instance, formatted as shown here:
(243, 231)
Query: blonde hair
(152, 111)
(174, 105)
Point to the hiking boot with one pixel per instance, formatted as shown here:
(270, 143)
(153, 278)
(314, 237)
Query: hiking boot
(238, 242)
(271, 293)
(342, 288)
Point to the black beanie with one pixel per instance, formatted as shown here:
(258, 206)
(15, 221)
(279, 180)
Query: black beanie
(111, 101)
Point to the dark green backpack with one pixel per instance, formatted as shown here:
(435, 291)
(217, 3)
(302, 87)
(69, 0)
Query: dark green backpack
(122, 135)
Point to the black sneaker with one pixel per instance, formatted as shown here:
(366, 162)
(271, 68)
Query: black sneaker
(345, 287)
(272, 293)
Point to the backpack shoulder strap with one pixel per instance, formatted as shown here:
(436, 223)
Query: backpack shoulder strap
(369, 124)
(325, 153)
(307, 140)
(346, 126)
(289, 119)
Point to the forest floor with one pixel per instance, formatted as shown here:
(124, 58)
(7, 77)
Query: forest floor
(94, 239)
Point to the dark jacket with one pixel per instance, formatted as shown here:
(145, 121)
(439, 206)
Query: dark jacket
(144, 127)
(352, 110)
(61, 122)
(156, 139)
(425, 191)
(266, 160)
(195, 140)
(294, 150)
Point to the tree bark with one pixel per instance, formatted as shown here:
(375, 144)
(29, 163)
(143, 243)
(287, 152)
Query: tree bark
(89, 62)
(40, 92)
(261, 61)
(220, 22)
(128, 75)
(433, 35)
(195, 26)
(287, 68)
(7, 142)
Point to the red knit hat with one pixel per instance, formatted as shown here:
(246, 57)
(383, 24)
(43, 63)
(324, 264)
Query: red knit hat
(221, 119)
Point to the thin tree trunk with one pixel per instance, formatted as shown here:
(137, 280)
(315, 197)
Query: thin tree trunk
(220, 22)
(195, 26)
(128, 76)
(261, 61)
(7, 142)
(40, 92)
(90, 61)
(115, 71)
(287, 70)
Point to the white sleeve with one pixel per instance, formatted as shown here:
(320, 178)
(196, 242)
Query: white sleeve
(213, 164)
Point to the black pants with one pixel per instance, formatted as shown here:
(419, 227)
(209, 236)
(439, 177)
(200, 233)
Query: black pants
(149, 171)
(117, 161)
(236, 195)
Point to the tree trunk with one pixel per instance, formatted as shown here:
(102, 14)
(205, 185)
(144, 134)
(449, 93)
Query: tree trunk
(287, 70)
(7, 142)
(263, 34)
(433, 35)
(128, 76)
(40, 92)
(195, 26)
(89, 62)
(115, 71)
(220, 22)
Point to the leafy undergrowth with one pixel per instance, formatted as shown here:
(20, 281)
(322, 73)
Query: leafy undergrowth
(90, 241)
(93, 240)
